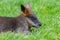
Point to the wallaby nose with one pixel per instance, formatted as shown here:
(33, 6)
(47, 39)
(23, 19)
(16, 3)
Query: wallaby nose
(39, 24)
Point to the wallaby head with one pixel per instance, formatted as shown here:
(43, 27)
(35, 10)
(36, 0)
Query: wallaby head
(30, 16)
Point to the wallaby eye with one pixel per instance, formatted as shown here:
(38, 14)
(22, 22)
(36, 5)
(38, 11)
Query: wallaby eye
(32, 18)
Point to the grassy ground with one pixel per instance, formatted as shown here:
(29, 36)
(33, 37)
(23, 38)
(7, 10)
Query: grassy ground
(46, 10)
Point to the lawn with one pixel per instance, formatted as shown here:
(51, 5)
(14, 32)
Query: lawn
(47, 12)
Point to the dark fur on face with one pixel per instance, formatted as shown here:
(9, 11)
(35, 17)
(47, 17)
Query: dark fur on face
(35, 20)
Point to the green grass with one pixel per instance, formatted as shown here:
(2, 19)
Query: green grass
(46, 10)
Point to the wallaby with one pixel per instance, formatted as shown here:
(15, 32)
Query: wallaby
(21, 23)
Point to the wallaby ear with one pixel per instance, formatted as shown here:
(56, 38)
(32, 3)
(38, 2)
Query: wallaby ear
(23, 8)
(28, 6)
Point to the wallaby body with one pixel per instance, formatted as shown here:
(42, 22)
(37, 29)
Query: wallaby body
(6, 24)
(11, 24)
(21, 23)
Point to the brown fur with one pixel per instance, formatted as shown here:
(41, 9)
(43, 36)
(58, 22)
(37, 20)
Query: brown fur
(12, 24)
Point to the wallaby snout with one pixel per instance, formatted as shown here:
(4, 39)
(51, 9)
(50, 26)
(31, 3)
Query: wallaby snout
(34, 21)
